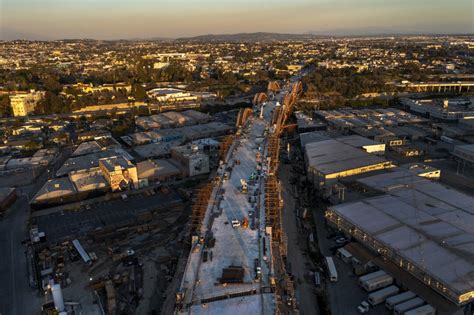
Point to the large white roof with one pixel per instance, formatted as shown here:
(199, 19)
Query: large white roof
(428, 224)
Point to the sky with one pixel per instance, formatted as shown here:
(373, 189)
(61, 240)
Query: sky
(125, 19)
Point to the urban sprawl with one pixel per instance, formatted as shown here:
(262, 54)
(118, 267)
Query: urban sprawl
(241, 176)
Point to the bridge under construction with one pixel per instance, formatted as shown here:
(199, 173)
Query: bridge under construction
(238, 247)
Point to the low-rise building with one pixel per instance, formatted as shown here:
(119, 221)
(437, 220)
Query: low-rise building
(154, 171)
(24, 103)
(119, 172)
(465, 153)
(329, 160)
(418, 224)
(192, 161)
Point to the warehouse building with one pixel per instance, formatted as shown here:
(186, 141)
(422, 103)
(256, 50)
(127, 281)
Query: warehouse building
(423, 227)
(156, 171)
(329, 160)
(98, 145)
(191, 160)
(465, 153)
(370, 146)
(119, 172)
(88, 161)
(186, 133)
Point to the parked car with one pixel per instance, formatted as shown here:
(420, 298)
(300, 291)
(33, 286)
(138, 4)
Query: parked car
(363, 307)
(341, 240)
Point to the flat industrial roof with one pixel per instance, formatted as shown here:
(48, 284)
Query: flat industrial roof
(466, 149)
(155, 149)
(87, 147)
(357, 141)
(194, 132)
(194, 114)
(88, 161)
(332, 156)
(55, 188)
(425, 222)
(314, 136)
(156, 168)
(90, 180)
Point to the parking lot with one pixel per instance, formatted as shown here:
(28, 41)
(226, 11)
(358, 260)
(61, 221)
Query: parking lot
(345, 294)
(60, 225)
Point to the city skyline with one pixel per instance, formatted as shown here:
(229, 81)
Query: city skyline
(54, 19)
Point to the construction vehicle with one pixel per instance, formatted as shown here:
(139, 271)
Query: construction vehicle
(244, 185)
(245, 223)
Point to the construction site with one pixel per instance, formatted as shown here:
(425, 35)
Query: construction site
(237, 261)
(125, 267)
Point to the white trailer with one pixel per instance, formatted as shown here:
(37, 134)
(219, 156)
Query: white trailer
(377, 283)
(344, 255)
(402, 308)
(377, 297)
(371, 276)
(331, 269)
(422, 310)
(399, 298)
(85, 256)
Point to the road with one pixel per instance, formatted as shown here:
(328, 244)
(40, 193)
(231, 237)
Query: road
(16, 295)
(345, 294)
(300, 264)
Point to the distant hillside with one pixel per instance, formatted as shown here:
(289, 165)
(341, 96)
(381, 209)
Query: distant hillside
(248, 37)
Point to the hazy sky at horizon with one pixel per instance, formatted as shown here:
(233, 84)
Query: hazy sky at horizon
(112, 19)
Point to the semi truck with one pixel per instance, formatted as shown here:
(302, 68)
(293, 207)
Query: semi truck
(377, 297)
(422, 310)
(402, 308)
(371, 275)
(331, 269)
(377, 283)
(399, 298)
